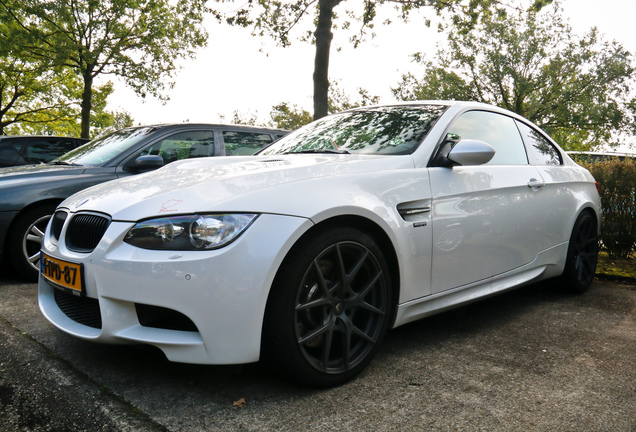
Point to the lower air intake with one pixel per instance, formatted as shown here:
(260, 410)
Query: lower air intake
(82, 310)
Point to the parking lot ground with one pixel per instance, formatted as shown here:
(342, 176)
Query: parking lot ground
(530, 359)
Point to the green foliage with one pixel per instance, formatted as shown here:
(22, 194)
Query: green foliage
(31, 91)
(31, 97)
(617, 185)
(616, 267)
(279, 19)
(63, 120)
(239, 118)
(106, 122)
(289, 117)
(577, 89)
(137, 40)
(340, 101)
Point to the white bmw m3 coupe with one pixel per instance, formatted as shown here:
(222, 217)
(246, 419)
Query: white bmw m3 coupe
(309, 252)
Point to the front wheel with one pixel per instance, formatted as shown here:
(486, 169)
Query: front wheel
(25, 240)
(582, 257)
(330, 307)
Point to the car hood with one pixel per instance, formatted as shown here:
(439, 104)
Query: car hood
(36, 173)
(251, 184)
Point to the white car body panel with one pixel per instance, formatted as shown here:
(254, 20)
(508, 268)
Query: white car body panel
(191, 282)
(233, 183)
(485, 221)
(453, 248)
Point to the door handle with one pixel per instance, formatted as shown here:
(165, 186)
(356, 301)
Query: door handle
(535, 184)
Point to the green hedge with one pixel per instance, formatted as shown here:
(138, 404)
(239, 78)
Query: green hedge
(617, 184)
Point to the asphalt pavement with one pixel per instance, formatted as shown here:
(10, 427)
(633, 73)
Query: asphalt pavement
(531, 359)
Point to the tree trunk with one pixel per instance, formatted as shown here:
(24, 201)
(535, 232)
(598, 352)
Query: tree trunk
(87, 104)
(323, 36)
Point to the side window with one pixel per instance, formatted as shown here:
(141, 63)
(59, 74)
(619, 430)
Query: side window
(17, 144)
(183, 145)
(10, 153)
(44, 150)
(540, 150)
(495, 129)
(244, 143)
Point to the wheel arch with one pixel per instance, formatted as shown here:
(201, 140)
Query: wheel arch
(592, 212)
(380, 236)
(355, 222)
(276, 332)
(31, 206)
(582, 254)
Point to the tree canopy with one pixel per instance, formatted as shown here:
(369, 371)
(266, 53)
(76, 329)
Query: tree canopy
(281, 19)
(579, 89)
(292, 117)
(289, 117)
(30, 96)
(31, 91)
(139, 41)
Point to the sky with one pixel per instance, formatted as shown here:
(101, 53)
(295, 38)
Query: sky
(240, 72)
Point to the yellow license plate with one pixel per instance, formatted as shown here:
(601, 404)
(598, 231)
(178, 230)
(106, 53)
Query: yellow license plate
(62, 273)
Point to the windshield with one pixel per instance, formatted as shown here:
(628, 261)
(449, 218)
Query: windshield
(378, 130)
(102, 150)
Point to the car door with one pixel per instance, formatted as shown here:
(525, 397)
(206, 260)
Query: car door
(560, 180)
(487, 219)
(181, 144)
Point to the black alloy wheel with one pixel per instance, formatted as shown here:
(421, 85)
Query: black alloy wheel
(582, 257)
(331, 307)
(25, 240)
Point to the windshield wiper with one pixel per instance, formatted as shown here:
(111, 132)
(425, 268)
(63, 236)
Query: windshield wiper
(57, 162)
(321, 151)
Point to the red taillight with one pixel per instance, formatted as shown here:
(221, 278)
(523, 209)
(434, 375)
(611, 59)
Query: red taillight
(597, 188)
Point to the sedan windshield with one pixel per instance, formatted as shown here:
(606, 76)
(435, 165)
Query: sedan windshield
(103, 149)
(378, 130)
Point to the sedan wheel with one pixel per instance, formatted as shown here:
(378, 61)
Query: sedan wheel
(582, 258)
(25, 240)
(330, 308)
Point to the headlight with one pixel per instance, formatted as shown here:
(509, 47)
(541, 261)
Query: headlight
(189, 232)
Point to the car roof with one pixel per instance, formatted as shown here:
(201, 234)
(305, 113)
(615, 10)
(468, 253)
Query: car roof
(448, 103)
(454, 106)
(2, 137)
(197, 125)
(451, 104)
(608, 153)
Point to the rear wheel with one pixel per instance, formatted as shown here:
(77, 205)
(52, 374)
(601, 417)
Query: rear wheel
(330, 308)
(25, 240)
(580, 265)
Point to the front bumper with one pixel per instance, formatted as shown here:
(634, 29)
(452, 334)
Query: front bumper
(222, 293)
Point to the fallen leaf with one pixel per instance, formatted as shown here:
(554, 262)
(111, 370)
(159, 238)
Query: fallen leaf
(239, 403)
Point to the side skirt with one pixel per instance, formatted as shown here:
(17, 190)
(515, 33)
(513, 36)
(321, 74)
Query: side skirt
(440, 302)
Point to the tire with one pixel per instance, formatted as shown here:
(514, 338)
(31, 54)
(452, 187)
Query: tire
(580, 265)
(329, 309)
(25, 240)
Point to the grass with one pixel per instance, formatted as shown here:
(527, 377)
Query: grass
(616, 267)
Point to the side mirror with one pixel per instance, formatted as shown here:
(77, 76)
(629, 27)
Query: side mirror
(147, 163)
(471, 152)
